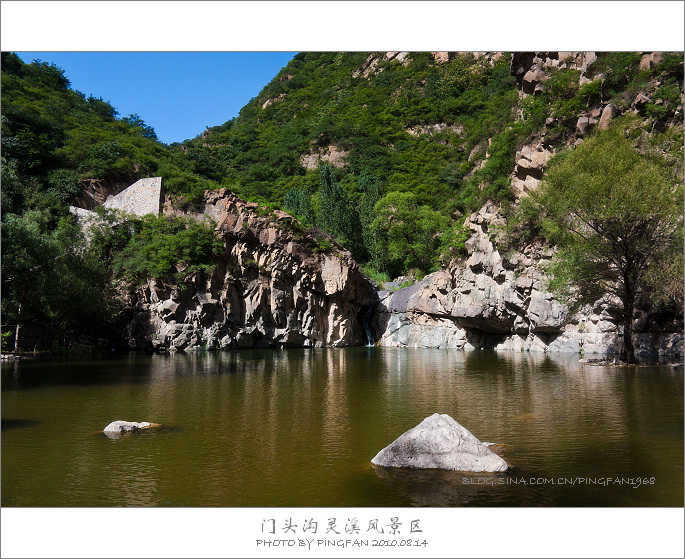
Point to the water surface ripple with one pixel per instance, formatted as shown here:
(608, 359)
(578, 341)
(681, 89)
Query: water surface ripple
(299, 427)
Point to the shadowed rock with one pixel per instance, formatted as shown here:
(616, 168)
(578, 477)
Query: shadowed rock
(439, 442)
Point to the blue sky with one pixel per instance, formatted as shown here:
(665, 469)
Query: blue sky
(239, 46)
(177, 93)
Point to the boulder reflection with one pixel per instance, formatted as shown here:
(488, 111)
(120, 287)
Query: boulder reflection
(438, 488)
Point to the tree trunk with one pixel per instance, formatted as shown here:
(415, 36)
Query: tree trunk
(16, 331)
(628, 350)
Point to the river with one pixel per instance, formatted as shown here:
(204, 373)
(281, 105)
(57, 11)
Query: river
(298, 428)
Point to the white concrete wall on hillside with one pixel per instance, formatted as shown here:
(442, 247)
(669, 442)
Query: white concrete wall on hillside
(143, 197)
(86, 219)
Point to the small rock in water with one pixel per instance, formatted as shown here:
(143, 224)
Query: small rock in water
(117, 428)
(439, 442)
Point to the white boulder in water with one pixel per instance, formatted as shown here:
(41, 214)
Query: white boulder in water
(439, 442)
(120, 427)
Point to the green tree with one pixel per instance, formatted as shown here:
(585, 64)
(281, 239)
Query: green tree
(145, 129)
(50, 278)
(298, 202)
(28, 263)
(371, 193)
(336, 215)
(618, 220)
(412, 231)
(166, 248)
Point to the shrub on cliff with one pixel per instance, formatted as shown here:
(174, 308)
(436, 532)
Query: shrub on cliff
(166, 248)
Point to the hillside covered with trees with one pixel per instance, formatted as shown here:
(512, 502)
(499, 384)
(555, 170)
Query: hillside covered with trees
(388, 153)
(412, 142)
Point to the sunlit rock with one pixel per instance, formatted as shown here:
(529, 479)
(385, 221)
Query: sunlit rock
(118, 428)
(439, 442)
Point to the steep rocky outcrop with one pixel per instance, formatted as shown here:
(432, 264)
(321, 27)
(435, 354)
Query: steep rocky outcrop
(531, 161)
(277, 285)
(500, 301)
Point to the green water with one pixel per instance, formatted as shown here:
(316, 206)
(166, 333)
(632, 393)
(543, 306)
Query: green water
(299, 428)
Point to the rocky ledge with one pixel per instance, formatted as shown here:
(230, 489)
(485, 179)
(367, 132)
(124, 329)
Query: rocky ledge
(278, 284)
(500, 301)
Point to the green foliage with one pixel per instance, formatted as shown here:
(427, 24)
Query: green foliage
(65, 184)
(5, 340)
(618, 221)
(591, 93)
(461, 74)
(337, 216)
(144, 129)
(664, 101)
(621, 70)
(453, 242)
(377, 277)
(167, 248)
(523, 225)
(107, 159)
(298, 203)
(411, 232)
(370, 195)
(322, 245)
(250, 264)
(50, 278)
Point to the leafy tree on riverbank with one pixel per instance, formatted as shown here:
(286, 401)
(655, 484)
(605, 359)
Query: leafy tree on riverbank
(617, 217)
(50, 278)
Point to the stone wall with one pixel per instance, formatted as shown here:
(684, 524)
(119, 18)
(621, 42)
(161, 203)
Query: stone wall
(143, 197)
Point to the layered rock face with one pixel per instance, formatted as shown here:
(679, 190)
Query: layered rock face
(500, 301)
(276, 286)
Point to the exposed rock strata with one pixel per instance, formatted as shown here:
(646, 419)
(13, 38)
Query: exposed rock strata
(499, 301)
(272, 288)
(531, 161)
(332, 155)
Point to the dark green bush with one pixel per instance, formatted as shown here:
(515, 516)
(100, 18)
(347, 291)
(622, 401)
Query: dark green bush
(167, 248)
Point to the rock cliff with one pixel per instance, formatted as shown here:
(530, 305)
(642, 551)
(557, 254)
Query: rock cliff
(494, 300)
(280, 285)
(277, 285)
(499, 301)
